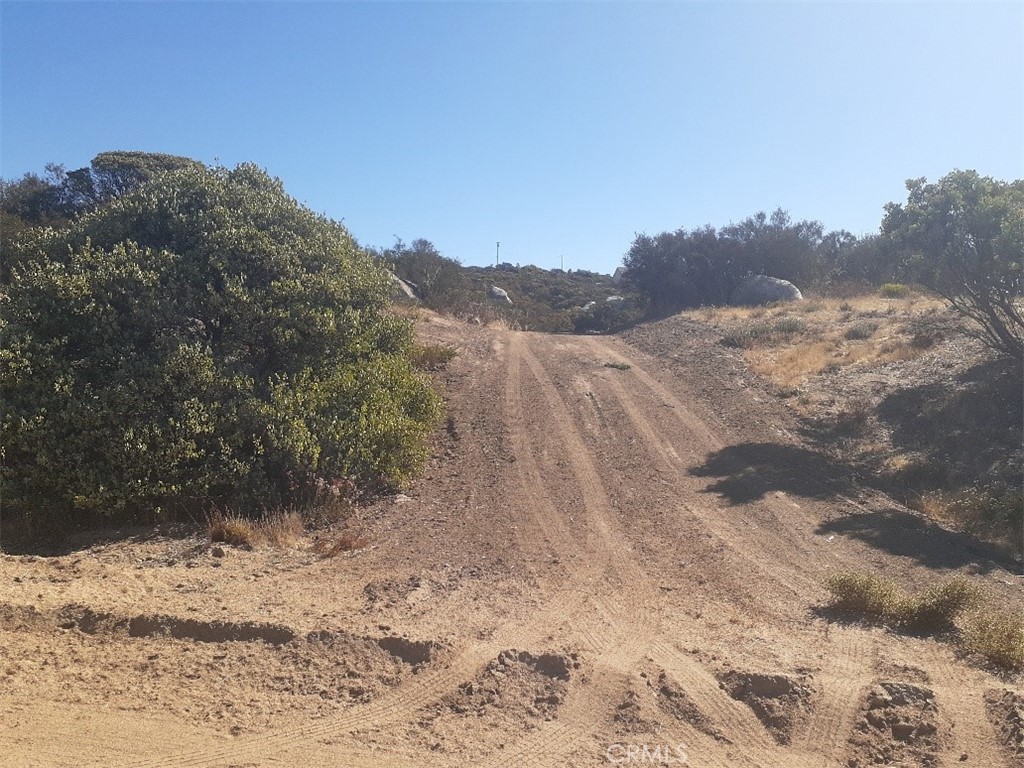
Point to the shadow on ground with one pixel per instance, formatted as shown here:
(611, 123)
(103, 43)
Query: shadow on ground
(963, 429)
(907, 535)
(57, 545)
(749, 471)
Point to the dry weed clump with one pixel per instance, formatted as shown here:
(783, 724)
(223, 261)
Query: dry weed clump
(996, 636)
(954, 605)
(432, 357)
(935, 610)
(347, 541)
(280, 529)
(991, 513)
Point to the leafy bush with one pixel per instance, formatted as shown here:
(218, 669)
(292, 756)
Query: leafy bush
(201, 339)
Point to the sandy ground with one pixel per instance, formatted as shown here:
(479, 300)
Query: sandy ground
(615, 558)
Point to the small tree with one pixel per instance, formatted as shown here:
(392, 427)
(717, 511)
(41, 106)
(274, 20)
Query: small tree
(963, 237)
(438, 279)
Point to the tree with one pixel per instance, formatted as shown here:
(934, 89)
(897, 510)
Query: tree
(779, 247)
(202, 339)
(439, 279)
(963, 237)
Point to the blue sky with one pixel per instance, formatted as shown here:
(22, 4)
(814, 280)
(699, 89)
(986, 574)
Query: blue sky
(560, 130)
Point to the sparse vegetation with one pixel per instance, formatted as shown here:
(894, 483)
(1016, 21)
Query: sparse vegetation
(934, 610)
(956, 605)
(432, 357)
(993, 512)
(278, 529)
(996, 636)
(618, 366)
(894, 291)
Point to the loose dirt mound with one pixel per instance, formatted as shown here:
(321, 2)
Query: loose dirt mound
(779, 701)
(676, 702)
(514, 693)
(241, 675)
(1006, 710)
(899, 725)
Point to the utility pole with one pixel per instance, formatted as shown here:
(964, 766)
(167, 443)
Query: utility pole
(496, 252)
(561, 263)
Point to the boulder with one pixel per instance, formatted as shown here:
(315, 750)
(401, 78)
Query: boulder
(401, 289)
(761, 289)
(619, 275)
(498, 294)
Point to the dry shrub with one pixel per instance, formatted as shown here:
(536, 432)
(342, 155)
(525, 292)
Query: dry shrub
(860, 331)
(993, 513)
(432, 357)
(938, 608)
(853, 418)
(347, 541)
(996, 636)
(232, 529)
(935, 610)
(863, 594)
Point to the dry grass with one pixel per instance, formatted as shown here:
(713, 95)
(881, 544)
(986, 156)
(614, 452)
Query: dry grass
(432, 357)
(993, 514)
(281, 530)
(347, 541)
(996, 636)
(789, 343)
(935, 610)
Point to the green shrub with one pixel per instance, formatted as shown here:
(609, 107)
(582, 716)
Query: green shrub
(201, 339)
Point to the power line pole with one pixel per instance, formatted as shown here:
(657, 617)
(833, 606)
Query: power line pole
(496, 252)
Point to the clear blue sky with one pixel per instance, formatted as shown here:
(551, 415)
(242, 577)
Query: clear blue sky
(558, 129)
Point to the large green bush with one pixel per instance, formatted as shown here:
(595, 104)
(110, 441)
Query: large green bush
(202, 339)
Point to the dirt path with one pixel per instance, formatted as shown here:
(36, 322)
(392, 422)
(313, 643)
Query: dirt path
(600, 568)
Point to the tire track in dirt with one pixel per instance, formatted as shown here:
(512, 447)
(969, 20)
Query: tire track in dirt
(744, 726)
(836, 705)
(824, 734)
(618, 647)
(627, 633)
(569, 600)
(960, 701)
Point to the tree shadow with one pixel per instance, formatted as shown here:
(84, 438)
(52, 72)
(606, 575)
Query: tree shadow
(65, 543)
(905, 534)
(962, 428)
(749, 471)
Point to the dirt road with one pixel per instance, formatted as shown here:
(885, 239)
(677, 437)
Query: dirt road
(615, 558)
